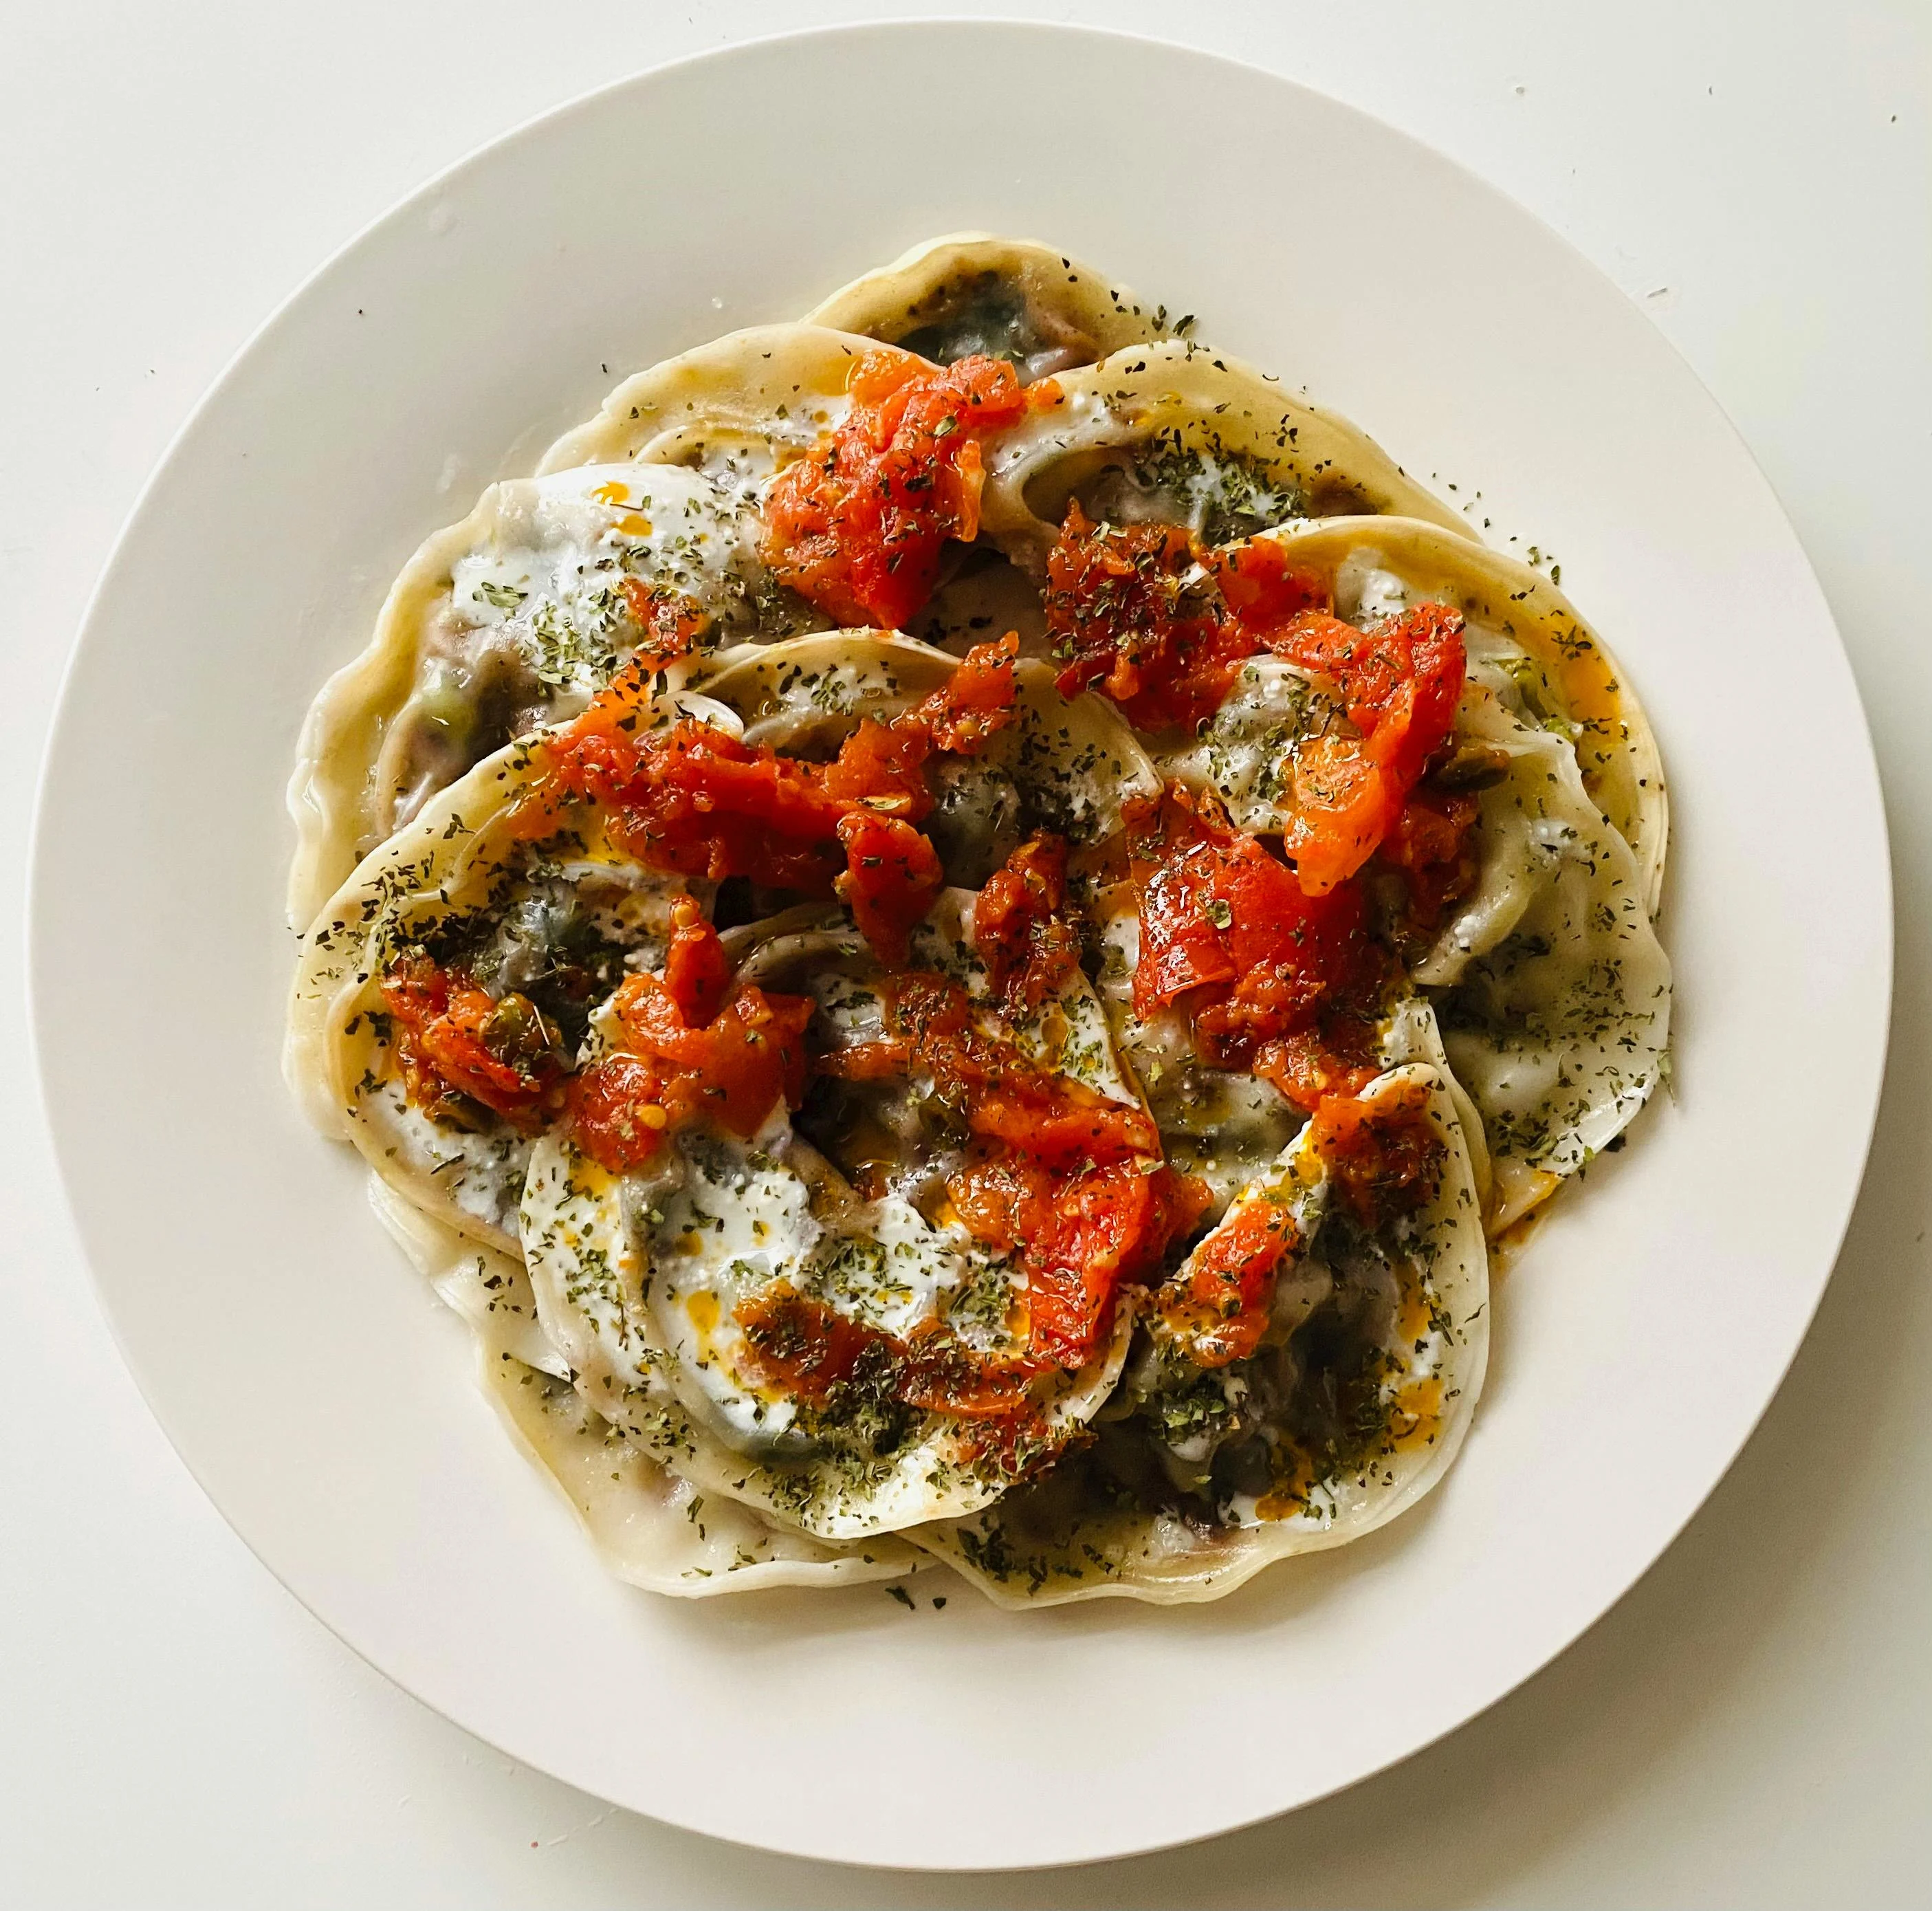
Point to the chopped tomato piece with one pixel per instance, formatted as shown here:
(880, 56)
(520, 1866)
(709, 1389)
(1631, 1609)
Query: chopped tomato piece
(857, 524)
(1384, 1155)
(1218, 1304)
(1438, 661)
(452, 1038)
(867, 1061)
(679, 1068)
(1263, 587)
(1020, 929)
(692, 798)
(1137, 616)
(669, 623)
(1066, 1177)
(882, 765)
(998, 1091)
(893, 874)
(1337, 1057)
(1217, 911)
(696, 968)
(1367, 667)
(1080, 1237)
(1159, 621)
(1001, 1197)
(1109, 1226)
(811, 1350)
(1344, 802)
(1401, 680)
(1430, 845)
(1056, 1119)
(616, 1113)
(976, 702)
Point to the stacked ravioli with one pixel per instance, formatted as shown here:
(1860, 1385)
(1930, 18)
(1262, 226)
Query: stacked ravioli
(957, 934)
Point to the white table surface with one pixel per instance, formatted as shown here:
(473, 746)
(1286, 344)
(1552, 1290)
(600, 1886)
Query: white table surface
(1752, 1726)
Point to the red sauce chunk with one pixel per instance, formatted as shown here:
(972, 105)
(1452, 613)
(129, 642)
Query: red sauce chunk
(1430, 846)
(669, 624)
(813, 1351)
(1081, 1233)
(1384, 1156)
(1158, 621)
(455, 1043)
(1218, 1304)
(1220, 915)
(857, 524)
(699, 1047)
(892, 876)
(1273, 979)
(1336, 1056)
(1383, 1159)
(693, 799)
(1400, 681)
(983, 1076)
(1021, 930)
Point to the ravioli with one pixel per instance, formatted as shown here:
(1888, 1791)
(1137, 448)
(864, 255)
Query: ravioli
(1350, 1408)
(514, 618)
(734, 409)
(659, 1284)
(1553, 987)
(652, 1528)
(1172, 432)
(542, 925)
(975, 293)
(953, 936)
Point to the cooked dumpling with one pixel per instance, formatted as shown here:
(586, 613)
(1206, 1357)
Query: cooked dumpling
(1552, 988)
(1171, 433)
(512, 620)
(1305, 1376)
(651, 1528)
(848, 1357)
(976, 294)
(735, 409)
(445, 990)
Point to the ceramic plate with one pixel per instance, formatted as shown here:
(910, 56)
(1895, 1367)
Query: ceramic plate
(322, 1396)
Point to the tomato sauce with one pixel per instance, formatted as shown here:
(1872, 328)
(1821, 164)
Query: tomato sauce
(857, 524)
(1218, 1305)
(693, 799)
(1021, 930)
(812, 1351)
(1384, 1156)
(1081, 1232)
(1159, 622)
(698, 1046)
(892, 876)
(1225, 923)
(1400, 681)
(455, 1042)
(669, 624)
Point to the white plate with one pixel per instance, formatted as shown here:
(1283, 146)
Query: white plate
(324, 1399)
